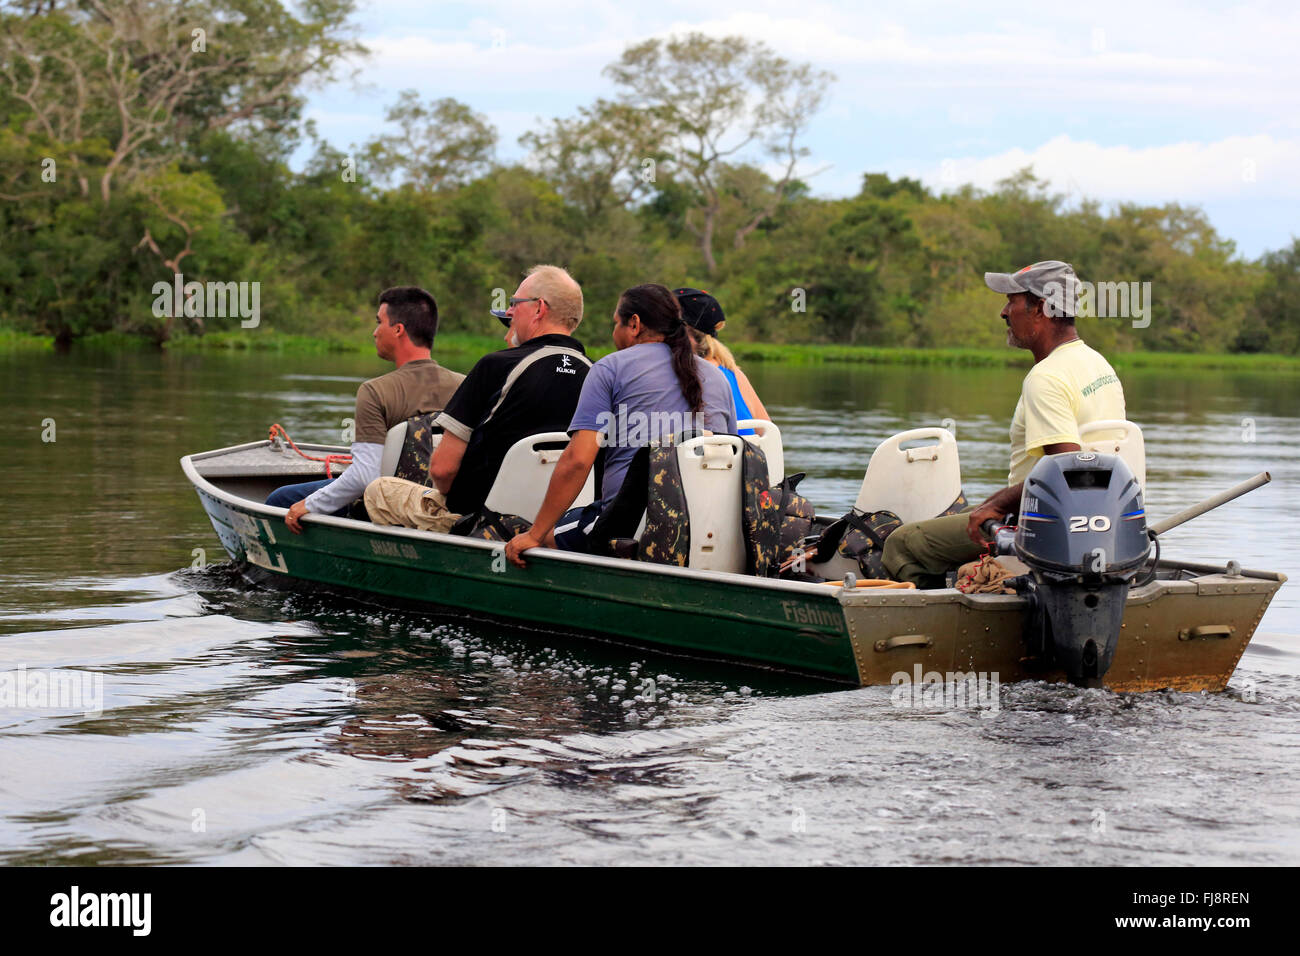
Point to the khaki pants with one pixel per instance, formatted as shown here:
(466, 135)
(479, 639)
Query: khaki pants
(922, 551)
(395, 501)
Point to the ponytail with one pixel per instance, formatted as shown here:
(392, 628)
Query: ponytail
(688, 374)
(660, 312)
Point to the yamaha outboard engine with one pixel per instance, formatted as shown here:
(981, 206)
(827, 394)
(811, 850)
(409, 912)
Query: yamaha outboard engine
(1083, 534)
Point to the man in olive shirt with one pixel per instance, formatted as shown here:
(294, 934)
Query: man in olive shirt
(1069, 385)
(524, 390)
(405, 326)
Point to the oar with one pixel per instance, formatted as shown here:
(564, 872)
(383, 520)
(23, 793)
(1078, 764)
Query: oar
(1210, 503)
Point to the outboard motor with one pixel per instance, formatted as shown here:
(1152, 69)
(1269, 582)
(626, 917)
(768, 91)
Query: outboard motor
(1083, 534)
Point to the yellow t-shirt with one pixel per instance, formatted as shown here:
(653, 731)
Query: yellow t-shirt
(1073, 386)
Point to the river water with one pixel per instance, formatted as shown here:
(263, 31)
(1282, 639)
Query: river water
(243, 725)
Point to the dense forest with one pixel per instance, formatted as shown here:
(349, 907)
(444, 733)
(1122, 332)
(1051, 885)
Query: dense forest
(140, 139)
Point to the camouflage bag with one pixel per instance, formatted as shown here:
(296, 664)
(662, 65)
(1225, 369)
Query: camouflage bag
(491, 526)
(667, 535)
(863, 540)
(796, 516)
(417, 449)
(860, 536)
(653, 487)
(760, 515)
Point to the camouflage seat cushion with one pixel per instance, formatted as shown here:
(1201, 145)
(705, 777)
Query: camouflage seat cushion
(417, 449)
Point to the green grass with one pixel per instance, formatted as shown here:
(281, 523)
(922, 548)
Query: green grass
(14, 341)
(995, 358)
(874, 355)
(448, 343)
(1194, 361)
(998, 358)
(263, 342)
(462, 343)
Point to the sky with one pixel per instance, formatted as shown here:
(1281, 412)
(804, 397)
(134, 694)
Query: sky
(1196, 103)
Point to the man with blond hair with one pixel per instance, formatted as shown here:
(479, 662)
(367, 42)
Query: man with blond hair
(528, 388)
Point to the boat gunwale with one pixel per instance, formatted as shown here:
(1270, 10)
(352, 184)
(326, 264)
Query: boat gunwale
(802, 588)
(856, 598)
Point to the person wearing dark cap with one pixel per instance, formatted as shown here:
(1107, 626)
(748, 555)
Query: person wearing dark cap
(1069, 385)
(527, 389)
(703, 316)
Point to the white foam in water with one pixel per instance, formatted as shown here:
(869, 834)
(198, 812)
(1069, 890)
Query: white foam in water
(144, 641)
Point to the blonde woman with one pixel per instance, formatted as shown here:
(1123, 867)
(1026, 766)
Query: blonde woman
(703, 317)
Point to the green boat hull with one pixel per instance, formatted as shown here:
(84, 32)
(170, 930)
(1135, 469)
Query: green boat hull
(1188, 634)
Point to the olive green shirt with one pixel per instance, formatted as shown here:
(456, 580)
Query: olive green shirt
(419, 386)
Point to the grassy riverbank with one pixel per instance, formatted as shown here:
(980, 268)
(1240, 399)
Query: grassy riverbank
(465, 344)
(11, 341)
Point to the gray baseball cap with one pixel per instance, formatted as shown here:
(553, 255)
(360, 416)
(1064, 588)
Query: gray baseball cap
(1052, 280)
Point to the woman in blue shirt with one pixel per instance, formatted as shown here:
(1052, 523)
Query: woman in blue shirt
(703, 315)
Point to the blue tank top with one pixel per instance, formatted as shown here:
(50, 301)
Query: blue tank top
(742, 410)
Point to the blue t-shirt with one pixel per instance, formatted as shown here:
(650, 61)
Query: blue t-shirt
(632, 398)
(742, 410)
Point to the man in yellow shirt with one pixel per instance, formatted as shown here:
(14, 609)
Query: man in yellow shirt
(1069, 385)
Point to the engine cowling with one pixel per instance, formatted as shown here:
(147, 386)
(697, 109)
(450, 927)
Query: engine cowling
(1082, 532)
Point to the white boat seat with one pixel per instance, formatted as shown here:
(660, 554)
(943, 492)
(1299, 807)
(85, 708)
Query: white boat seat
(767, 437)
(520, 485)
(713, 483)
(392, 449)
(1117, 437)
(914, 483)
(393, 443)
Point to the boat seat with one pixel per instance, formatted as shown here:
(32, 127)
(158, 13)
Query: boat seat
(767, 437)
(914, 483)
(520, 485)
(393, 449)
(1117, 437)
(712, 483)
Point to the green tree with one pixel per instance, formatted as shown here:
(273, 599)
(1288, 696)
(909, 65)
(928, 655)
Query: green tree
(605, 157)
(714, 99)
(873, 284)
(441, 144)
(1273, 322)
(104, 105)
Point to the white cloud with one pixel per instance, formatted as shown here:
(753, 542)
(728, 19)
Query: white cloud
(1238, 167)
(1113, 100)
